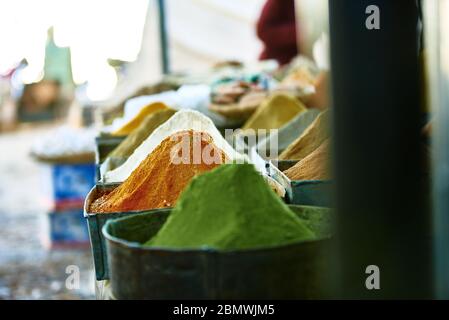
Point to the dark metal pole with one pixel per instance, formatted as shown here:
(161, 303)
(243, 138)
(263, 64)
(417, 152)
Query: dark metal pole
(382, 210)
(163, 37)
(439, 84)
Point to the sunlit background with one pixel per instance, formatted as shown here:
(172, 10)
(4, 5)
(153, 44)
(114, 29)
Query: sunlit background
(62, 62)
(75, 40)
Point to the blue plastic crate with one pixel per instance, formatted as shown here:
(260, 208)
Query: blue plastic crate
(66, 185)
(67, 229)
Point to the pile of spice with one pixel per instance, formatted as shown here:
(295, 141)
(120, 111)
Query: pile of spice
(237, 98)
(231, 92)
(133, 140)
(160, 178)
(313, 167)
(230, 208)
(299, 78)
(310, 140)
(117, 111)
(277, 142)
(180, 121)
(65, 144)
(135, 122)
(275, 112)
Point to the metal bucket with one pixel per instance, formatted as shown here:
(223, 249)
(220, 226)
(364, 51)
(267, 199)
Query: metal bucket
(295, 271)
(95, 222)
(106, 144)
(305, 192)
(109, 164)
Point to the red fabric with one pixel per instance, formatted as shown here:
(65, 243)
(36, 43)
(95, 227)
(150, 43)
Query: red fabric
(277, 30)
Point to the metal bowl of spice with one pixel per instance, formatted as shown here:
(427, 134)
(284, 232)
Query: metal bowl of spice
(95, 222)
(293, 271)
(155, 183)
(301, 192)
(105, 144)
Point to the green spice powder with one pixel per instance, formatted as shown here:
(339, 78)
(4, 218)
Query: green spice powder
(230, 208)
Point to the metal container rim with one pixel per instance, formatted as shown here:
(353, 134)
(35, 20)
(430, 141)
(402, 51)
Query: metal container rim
(272, 166)
(88, 200)
(304, 182)
(139, 247)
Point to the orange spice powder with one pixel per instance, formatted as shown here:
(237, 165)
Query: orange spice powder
(313, 167)
(158, 181)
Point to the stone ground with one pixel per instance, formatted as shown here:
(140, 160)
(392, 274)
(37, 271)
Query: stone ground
(28, 270)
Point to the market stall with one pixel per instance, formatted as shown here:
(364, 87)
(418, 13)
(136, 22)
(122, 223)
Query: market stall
(257, 179)
(192, 187)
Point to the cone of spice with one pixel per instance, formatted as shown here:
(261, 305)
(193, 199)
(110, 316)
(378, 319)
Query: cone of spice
(238, 99)
(160, 178)
(313, 167)
(310, 140)
(135, 138)
(135, 122)
(230, 208)
(182, 120)
(277, 142)
(275, 112)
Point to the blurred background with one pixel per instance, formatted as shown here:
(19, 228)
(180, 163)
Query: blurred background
(62, 62)
(102, 51)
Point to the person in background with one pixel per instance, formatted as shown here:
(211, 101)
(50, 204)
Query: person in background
(276, 28)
